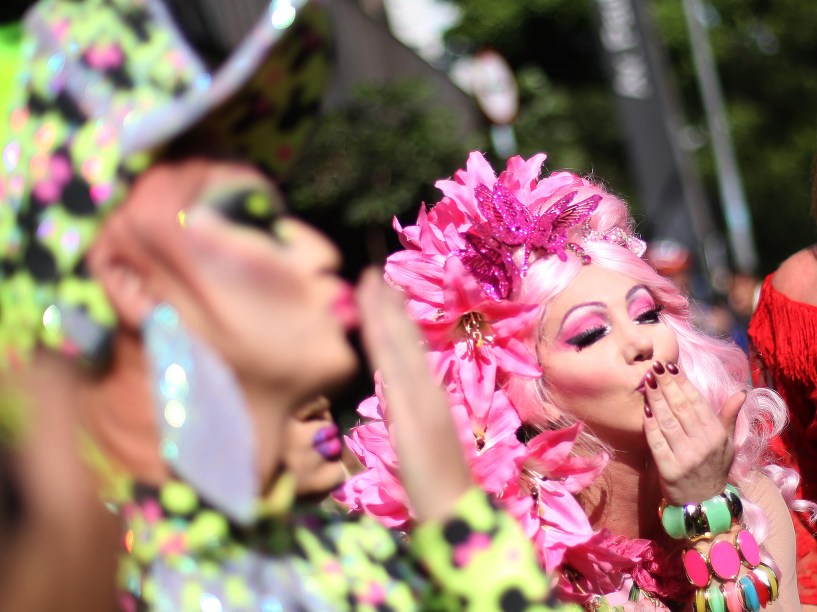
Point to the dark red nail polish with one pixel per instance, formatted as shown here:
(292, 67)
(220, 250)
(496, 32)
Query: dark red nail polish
(672, 368)
(650, 380)
(647, 411)
(658, 367)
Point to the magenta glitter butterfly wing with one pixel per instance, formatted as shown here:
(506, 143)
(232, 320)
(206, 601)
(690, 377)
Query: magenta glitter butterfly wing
(509, 220)
(550, 232)
(489, 262)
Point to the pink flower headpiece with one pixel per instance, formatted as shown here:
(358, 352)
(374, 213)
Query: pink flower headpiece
(506, 225)
(460, 271)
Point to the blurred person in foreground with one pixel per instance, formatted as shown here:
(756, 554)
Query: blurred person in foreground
(783, 335)
(314, 452)
(148, 255)
(58, 542)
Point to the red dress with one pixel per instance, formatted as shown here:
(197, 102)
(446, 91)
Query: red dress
(783, 333)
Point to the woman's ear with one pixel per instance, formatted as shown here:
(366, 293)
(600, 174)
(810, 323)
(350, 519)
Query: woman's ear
(122, 280)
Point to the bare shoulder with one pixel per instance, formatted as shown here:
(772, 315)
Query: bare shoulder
(797, 276)
(780, 540)
(764, 492)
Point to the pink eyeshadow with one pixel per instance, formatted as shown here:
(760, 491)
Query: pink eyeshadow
(579, 324)
(641, 303)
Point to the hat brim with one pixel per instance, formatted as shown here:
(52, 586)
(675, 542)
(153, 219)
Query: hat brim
(260, 103)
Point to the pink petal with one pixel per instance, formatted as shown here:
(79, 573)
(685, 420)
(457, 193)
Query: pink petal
(520, 175)
(442, 333)
(564, 521)
(503, 421)
(442, 362)
(511, 319)
(409, 236)
(549, 449)
(479, 171)
(370, 408)
(461, 293)
(549, 186)
(477, 372)
(498, 464)
(550, 456)
(514, 357)
(419, 275)
(447, 216)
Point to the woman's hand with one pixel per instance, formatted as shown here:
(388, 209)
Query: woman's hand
(691, 445)
(432, 463)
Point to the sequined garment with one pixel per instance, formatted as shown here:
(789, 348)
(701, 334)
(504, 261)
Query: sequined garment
(180, 555)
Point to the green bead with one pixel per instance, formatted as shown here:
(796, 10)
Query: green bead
(208, 529)
(178, 498)
(718, 515)
(714, 598)
(673, 521)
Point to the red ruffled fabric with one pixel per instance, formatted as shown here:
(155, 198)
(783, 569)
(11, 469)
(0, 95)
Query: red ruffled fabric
(602, 564)
(783, 334)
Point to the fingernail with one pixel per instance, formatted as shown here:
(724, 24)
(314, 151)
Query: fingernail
(651, 382)
(647, 411)
(672, 368)
(656, 365)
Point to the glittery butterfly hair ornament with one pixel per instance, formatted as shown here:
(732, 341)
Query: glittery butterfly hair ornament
(510, 225)
(461, 271)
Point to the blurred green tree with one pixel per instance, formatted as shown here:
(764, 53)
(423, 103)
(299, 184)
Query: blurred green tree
(378, 155)
(765, 56)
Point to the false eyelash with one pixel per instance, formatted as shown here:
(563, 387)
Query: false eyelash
(652, 313)
(586, 338)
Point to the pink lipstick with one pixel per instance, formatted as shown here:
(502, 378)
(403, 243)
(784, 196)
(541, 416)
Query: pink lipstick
(344, 308)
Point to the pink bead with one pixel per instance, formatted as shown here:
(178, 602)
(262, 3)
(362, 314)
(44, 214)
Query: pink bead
(749, 550)
(732, 596)
(696, 568)
(724, 560)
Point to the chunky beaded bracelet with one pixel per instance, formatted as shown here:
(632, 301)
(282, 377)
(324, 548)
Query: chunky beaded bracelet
(705, 520)
(723, 560)
(751, 593)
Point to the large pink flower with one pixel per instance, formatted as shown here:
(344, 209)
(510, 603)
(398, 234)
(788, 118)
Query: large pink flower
(495, 453)
(549, 515)
(377, 490)
(490, 445)
(463, 326)
(549, 455)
